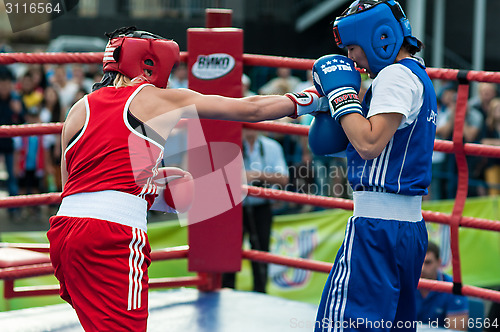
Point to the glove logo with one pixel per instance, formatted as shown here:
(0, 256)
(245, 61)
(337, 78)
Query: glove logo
(344, 100)
(342, 66)
(303, 99)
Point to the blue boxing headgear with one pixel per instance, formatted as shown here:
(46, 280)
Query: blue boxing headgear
(379, 27)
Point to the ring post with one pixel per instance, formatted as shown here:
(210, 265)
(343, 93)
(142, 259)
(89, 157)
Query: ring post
(215, 62)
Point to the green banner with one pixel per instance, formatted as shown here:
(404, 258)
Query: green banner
(315, 236)
(319, 236)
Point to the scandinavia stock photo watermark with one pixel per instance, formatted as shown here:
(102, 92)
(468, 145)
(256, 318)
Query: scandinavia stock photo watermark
(311, 177)
(26, 14)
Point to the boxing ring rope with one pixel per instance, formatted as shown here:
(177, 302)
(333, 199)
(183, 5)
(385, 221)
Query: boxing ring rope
(30, 200)
(320, 201)
(346, 204)
(57, 57)
(248, 60)
(455, 220)
(44, 267)
(471, 149)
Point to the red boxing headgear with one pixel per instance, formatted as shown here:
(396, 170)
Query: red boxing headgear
(139, 52)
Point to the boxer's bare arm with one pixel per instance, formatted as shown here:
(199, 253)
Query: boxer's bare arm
(189, 104)
(74, 122)
(161, 109)
(370, 136)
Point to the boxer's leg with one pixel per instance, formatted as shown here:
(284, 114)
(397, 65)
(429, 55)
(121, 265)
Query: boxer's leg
(105, 270)
(412, 246)
(57, 234)
(363, 289)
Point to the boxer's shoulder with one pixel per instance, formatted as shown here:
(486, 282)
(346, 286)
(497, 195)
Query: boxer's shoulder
(75, 119)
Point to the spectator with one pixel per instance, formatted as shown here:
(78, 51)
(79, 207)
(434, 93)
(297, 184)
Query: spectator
(265, 166)
(37, 72)
(246, 82)
(492, 137)
(93, 71)
(10, 109)
(487, 91)
(477, 165)
(447, 309)
(80, 79)
(31, 96)
(446, 104)
(473, 122)
(284, 83)
(51, 107)
(65, 89)
(52, 112)
(301, 172)
(305, 84)
(31, 156)
(179, 77)
(292, 146)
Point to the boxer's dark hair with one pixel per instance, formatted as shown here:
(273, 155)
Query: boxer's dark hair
(121, 31)
(411, 48)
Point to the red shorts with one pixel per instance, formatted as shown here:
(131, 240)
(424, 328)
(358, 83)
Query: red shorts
(102, 269)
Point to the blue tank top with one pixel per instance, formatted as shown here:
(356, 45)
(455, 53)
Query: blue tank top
(404, 166)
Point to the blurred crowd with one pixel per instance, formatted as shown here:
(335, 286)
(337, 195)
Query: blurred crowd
(44, 93)
(482, 125)
(32, 94)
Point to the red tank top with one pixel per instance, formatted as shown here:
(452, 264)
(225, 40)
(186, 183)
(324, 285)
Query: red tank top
(111, 152)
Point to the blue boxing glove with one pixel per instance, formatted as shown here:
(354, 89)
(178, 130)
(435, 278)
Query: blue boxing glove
(336, 77)
(326, 136)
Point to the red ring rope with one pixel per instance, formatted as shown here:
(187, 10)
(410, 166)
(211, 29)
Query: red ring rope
(58, 58)
(439, 145)
(463, 179)
(31, 129)
(346, 204)
(248, 59)
(471, 149)
(30, 200)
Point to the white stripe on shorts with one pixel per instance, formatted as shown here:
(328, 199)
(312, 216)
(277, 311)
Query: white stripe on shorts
(135, 261)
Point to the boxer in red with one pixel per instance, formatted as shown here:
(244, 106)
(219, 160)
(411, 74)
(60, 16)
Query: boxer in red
(112, 144)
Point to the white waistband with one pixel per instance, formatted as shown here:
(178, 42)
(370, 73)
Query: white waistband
(388, 206)
(110, 205)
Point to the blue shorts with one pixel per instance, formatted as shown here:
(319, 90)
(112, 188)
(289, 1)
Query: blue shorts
(372, 284)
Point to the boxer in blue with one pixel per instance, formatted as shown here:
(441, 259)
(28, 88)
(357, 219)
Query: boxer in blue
(372, 284)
